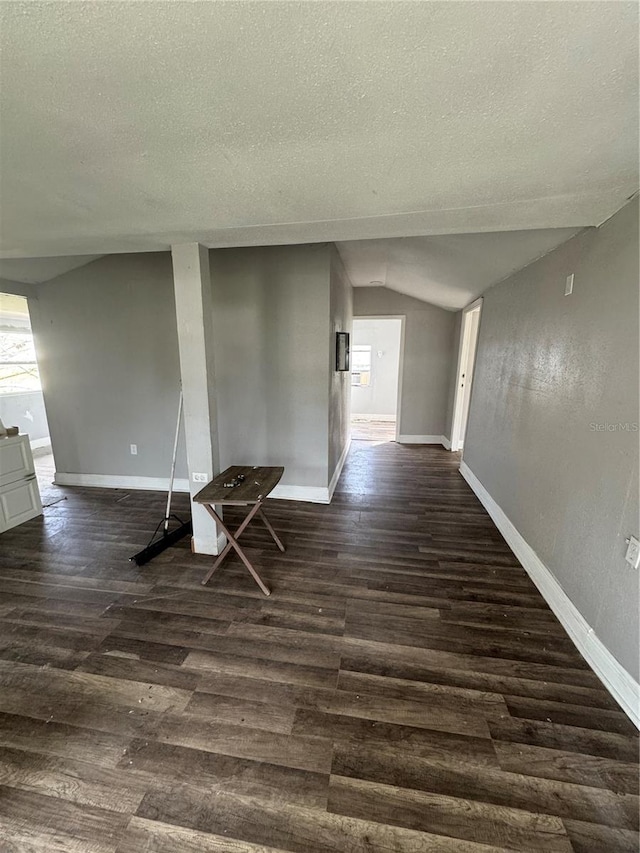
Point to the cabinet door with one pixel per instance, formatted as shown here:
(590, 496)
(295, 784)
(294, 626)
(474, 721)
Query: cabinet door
(19, 502)
(16, 461)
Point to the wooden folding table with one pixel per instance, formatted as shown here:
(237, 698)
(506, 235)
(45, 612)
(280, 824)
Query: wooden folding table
(240, 485)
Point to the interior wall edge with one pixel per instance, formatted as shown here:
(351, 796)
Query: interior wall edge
(620, 683)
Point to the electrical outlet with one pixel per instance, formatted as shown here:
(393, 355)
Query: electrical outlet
(200, 478)
(134, 449)
(633, 552)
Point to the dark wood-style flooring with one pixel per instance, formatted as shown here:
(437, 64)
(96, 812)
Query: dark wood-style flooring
(405, 687)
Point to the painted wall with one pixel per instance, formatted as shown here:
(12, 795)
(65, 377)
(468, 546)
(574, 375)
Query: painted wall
(551, 373)
(25, 410)
(341, 320)
(271, 309)
(428, 354)
(107, 350)
(380, 397)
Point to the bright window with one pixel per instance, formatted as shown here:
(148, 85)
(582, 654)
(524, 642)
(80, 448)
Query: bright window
(360, 366)
(18, 366)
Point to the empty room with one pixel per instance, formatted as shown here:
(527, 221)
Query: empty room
(319, 426)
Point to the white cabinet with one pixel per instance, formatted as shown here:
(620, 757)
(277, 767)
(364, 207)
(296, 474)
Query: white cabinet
(19, 493)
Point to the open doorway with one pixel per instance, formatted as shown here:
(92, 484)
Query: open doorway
(376, 355)
(464, 378)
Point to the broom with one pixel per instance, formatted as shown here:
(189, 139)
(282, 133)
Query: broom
(167, 538)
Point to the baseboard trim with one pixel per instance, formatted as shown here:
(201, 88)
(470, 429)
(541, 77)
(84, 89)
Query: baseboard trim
(622, 686)
(307, 494)
(446, 443)
(38, 443)
(336, 474)
(366, 418)
(311, 494)
(422, 439)
(117, 481)
(210, 545)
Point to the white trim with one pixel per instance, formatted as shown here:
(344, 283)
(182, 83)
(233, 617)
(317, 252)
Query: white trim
(118, 481)
(309, 494)
(421, 439)
(336, 474)
(457, 440)
(312, 494)
(446, 443)
(622, 686)
(366, 418)
(209, 544)
(37, 443)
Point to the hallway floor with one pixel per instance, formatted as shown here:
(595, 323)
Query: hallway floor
(363, 429)
(404, 688)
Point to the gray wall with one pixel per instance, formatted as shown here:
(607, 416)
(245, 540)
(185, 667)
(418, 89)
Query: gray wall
(26, 411)
(271, 309)
(107, 350)
(380, 397)
(428, 353)
(549, 368)
(341, 320)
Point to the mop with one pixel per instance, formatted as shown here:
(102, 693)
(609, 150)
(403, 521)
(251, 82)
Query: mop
(168, 538)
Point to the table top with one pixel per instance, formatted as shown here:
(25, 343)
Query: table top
(258, 482)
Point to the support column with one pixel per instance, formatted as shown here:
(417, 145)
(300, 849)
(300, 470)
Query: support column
(194, 313)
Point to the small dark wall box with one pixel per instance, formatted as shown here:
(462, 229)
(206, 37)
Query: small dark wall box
(342, 351)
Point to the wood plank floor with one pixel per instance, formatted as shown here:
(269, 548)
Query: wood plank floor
(405, 687)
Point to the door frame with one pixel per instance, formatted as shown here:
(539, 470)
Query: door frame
(464, 354)
(403, 319)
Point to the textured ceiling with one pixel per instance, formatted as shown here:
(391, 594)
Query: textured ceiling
(450, 271)
(129, 126)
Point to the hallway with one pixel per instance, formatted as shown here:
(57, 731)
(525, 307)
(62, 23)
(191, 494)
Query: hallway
(404, 688)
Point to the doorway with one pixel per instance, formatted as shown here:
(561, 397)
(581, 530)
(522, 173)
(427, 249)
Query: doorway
(376, 355)
(464, 379)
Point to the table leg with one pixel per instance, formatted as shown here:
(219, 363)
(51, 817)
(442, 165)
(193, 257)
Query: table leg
(270, 528)
(233, 543)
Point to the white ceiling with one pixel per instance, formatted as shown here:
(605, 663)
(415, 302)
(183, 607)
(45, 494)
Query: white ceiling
(127, 126)
(450, 271)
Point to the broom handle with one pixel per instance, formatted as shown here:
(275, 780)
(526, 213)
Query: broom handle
(173, 465)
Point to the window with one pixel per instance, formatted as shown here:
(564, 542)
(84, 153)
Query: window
(18, 366)
(360, 366)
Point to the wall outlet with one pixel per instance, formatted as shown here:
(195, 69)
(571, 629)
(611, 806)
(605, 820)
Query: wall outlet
(134, 449)
(633, 552)
(200, 478)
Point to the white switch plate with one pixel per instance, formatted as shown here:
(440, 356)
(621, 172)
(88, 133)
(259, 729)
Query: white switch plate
(633, 552)
(200, 478)
(134, 449)
(568, 286)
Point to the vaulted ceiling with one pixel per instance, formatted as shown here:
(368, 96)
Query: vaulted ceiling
(129, 126)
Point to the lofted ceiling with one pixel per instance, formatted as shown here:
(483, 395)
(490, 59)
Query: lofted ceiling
(450, 271)
(129, 126)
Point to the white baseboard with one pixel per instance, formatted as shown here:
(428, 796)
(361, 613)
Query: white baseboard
(446, 443)
(212, 545)
(118, 481)
(421, 439)
(367, 418)
(38, 443)
(336, 474)
(622, 686)
(311, 494)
